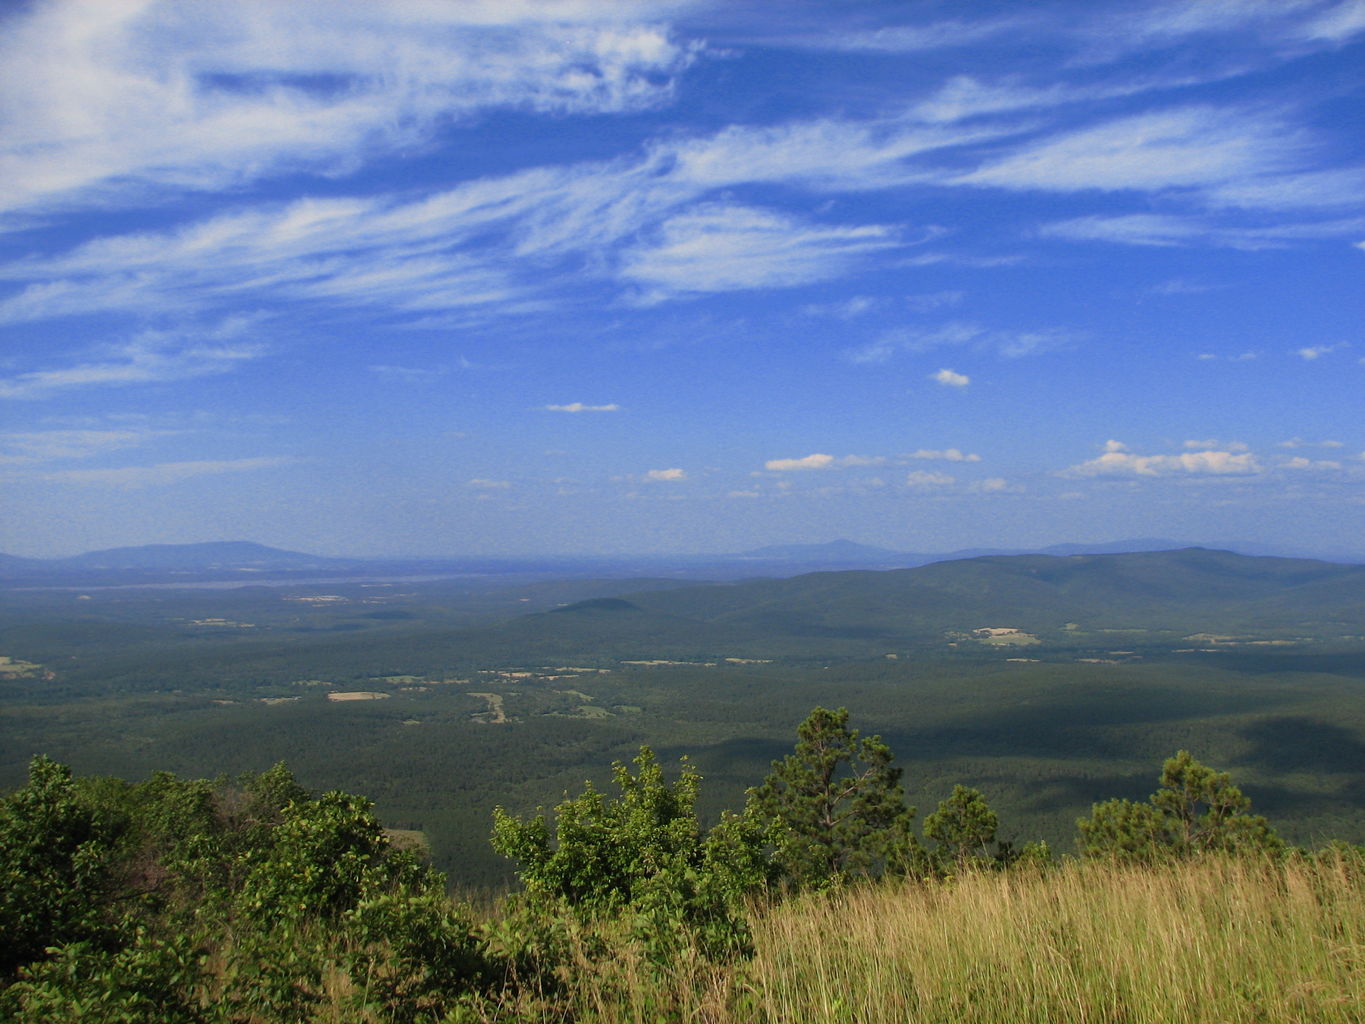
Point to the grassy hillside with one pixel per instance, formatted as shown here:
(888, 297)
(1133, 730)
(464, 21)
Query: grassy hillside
(1232, 941)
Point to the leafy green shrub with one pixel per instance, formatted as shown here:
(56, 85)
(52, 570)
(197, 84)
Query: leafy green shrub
(56, 851)
(642, 854)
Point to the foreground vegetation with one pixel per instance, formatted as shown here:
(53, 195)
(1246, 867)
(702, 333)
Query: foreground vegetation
(256, 902)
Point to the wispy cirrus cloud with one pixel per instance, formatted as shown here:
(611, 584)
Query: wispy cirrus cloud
(40, 446)
(1178, 148)
(1165, 230)
(105, 99)
(717, 248)
(1009, 343)
(149, 357)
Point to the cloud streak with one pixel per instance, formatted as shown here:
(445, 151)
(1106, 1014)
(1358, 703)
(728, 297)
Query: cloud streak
(164, 473)
(150, 357)
(103, 99)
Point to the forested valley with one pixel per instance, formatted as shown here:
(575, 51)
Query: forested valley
(581, 798)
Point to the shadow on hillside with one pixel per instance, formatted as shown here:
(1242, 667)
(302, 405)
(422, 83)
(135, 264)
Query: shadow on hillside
(1291, 743)
(1074, 725)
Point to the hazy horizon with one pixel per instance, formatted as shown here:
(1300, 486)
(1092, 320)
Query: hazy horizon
(680, 276)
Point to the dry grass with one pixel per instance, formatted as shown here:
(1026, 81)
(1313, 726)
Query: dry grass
(1211, 942)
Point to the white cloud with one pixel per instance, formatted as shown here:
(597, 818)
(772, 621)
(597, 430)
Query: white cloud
(1313, 352)
(724, 247)
(480, 483)
(991, 485)
(666, 474)
(20, 448)
(1012, 344)
(921, 478)
(150, 357)
(1337, 187)
(134, 477)
(1169, 230)
(944, 454)
(1118, 460)
(581, 407)
(1338, 23)
(813, 461)
(1183, 147)
(1298, 462)
(100, 97)
(819, 461)
(950, 378)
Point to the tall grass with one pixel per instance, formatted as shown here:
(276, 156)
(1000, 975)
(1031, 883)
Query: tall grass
(1215, 941)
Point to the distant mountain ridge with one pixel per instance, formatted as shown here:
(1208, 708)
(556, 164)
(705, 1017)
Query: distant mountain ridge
(246, 561)
(236, 554)
(1189, 591)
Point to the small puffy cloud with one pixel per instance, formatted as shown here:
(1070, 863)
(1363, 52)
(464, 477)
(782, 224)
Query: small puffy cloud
(1312, 352)
(992, 485)
(1299, 462)
(822, 461)
(484, 484)
(812, 461)
(581, 407)
(950, 378)
(666, 474)
(743, 494)
(944, 454)
(1118, 460)
(924, 478)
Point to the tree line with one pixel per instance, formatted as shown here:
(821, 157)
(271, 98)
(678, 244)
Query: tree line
(193, 901)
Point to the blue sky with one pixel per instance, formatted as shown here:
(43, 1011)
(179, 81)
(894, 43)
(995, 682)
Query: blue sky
(518, 277)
